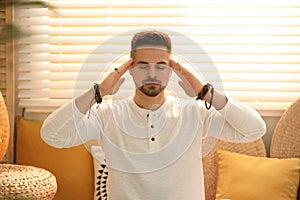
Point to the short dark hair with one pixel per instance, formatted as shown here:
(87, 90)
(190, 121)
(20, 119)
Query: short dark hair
(150, 38)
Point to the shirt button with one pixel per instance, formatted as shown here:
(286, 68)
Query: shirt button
(152, 126)
(153, 139)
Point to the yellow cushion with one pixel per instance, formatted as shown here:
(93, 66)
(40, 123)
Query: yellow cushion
(73, 168)
(243, 177)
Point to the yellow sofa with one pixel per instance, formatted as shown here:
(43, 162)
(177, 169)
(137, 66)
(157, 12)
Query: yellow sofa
(73, 167)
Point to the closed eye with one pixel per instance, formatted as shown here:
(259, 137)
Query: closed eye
(161, 66)
(143, 66)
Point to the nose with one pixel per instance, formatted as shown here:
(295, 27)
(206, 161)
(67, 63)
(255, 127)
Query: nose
(152, 72)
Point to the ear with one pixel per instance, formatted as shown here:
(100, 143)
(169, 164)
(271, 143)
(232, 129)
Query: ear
(131, 66)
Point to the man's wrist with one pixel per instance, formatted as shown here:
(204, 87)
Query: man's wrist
(98, 97)
(204, 91)
(102, 90)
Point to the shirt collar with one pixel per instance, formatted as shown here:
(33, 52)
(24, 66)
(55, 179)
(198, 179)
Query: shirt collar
(144, 113)
(134, 120)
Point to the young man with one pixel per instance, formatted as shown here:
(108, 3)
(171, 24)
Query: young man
(152, 141)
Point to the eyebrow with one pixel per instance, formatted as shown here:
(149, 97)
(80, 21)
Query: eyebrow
(144, 62)
(162, 62)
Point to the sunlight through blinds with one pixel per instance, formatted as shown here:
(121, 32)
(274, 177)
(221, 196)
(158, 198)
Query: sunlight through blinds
(2, 55)
(255, 45)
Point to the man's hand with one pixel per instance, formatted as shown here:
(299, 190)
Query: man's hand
(192, 86)
(111, 84)
(189, 82)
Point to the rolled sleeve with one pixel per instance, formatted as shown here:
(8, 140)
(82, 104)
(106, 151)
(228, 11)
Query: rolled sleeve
(237, 122)
(67, 127)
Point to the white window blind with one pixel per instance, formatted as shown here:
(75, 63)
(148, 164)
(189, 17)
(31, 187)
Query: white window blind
(2, 55)
(255, 45)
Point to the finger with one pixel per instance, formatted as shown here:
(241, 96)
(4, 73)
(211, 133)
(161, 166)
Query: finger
(123, 68)
(190, 83)
(173, 64)
(120, 82)
(181, 84)
(180, 75)
(118, 85)
(175, 68)
(187, 88)
(179, 69)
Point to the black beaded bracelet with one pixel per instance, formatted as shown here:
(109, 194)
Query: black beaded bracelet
(212, 90)
(201, 95)
(98, 97)
(203, 92)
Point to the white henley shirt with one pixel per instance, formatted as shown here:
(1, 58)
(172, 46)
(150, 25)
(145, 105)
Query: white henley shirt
(157, 154)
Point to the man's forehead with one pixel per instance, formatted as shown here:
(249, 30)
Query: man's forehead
(151, 53)
(150, 59)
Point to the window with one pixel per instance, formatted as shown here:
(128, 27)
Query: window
(254, 45)
(6, 75)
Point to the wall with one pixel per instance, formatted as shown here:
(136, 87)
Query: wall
(271, 122)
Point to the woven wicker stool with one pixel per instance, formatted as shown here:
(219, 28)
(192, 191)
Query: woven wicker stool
(26, 182)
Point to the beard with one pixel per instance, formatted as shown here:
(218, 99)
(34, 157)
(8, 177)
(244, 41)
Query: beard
(151, 91)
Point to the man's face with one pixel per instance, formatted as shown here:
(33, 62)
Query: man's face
(151, 71)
